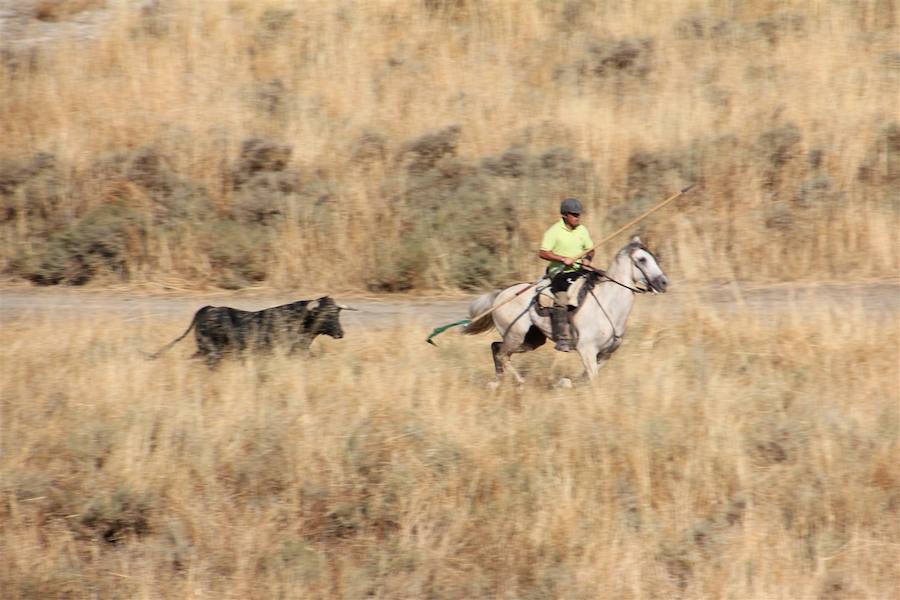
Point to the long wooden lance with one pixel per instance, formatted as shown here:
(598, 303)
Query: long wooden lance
(637, 219)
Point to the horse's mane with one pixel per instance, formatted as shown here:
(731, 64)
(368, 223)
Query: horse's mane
(632, 246)
(590, 280)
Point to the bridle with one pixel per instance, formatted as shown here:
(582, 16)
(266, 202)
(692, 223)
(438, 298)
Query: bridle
(634, 290)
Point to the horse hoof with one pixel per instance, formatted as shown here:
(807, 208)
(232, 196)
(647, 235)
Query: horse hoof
(493, 385)
(565, 383)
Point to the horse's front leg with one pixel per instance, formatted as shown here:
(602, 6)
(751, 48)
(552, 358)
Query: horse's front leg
(588, 354)
(601, 360)
(593, 357)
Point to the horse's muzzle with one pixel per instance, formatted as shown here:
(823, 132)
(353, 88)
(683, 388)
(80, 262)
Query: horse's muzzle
(659, 285)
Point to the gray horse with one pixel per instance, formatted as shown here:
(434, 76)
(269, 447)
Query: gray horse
(599, 321)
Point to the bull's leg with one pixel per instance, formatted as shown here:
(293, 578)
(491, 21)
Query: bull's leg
(302, 345)
(208, 350)
(210, 357)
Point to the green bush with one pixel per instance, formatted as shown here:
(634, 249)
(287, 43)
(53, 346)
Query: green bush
(472, 207)
(399, 267)
(100, 243)
(32, 188)
(173, 198)
(115, 517)
(238, 252)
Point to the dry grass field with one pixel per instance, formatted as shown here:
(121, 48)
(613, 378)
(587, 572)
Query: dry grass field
(422, 146)
(718, 456)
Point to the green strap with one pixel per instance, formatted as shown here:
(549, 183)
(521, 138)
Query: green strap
(443, 328)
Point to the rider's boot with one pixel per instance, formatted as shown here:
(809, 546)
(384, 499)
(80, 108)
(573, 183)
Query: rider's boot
(559, 322)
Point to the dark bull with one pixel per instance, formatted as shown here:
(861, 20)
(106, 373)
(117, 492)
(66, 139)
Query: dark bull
(222, 330)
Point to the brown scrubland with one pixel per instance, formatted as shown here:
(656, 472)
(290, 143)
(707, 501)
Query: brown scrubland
(402, 145)
(423, 146)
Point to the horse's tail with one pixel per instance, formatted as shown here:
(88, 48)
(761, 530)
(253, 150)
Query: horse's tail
(159, 352)
(478, 306)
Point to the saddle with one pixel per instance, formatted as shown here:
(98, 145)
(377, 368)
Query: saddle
(544, 298)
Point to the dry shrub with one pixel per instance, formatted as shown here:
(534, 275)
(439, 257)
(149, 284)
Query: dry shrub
(423, 154)
(370, 147)
(620, 58)
(259, 157)
(58, 10)
(881, 166)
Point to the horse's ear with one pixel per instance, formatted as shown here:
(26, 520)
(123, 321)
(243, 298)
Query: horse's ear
(636, 239)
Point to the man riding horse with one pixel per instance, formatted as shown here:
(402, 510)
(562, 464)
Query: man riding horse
(563, 245)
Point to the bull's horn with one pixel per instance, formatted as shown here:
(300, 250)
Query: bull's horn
(345, 307)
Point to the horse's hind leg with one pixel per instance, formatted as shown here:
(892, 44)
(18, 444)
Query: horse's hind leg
(502, 362)
(498, 362)
(502, 352)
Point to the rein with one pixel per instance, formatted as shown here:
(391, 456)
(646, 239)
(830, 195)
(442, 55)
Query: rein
(615, 334)
(619, 283)
(634, 290)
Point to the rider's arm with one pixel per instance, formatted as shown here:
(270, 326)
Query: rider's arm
(551, 256)
(589, 246)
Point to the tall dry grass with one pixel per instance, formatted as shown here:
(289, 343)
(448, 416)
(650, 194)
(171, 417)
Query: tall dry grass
(785, 112)
(722, 454)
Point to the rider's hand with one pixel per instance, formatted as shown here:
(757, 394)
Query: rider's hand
(567, 261)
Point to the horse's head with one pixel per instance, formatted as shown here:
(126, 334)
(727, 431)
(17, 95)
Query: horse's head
(646, 274)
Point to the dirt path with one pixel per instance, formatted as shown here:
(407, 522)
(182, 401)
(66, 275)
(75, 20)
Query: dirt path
(877, 299)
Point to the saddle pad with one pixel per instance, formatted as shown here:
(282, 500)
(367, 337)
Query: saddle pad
(544, 297)
(575, 290)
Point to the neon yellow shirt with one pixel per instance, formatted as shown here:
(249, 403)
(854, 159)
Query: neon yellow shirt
(561, 240)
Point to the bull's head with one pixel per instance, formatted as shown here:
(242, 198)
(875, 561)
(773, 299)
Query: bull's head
(324, 317)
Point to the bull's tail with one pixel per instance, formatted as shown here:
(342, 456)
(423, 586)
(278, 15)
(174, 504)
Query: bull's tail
(478, 306)
(160, 352)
